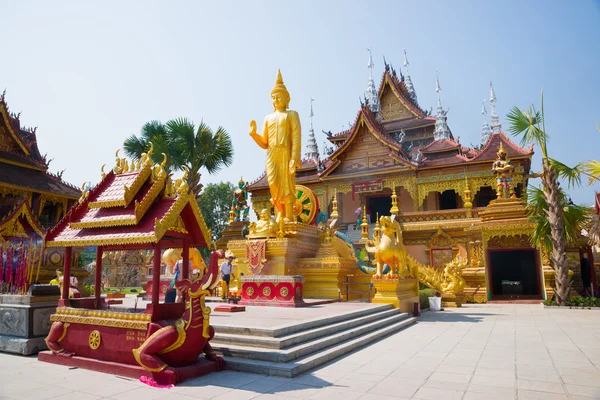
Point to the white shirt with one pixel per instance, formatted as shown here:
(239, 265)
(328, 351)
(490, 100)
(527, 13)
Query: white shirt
(73, 281)
(226, 268)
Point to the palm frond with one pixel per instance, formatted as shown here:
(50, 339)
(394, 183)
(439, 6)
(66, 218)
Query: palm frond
(592, 169)
(571, 174)
(134, 147)
(527, 125)
(575, 217)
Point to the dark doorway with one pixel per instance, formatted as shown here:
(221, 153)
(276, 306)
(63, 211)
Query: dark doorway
(484, 196)
(514, 274)
(448, 200)
(379, 204)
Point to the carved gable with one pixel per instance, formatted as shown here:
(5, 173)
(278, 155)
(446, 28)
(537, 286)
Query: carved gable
(6, 142)
(391, 107)
(366, 152)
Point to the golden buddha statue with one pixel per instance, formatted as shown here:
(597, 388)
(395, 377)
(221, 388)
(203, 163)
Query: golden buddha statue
(265, 227)
(503, 169)
(281, 138)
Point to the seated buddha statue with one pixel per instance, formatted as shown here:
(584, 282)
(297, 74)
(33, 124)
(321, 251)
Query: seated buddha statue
(265, 227)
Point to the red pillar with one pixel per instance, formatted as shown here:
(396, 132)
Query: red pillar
(185, 270)
(66, 273)
(98, 280)
(156, 275)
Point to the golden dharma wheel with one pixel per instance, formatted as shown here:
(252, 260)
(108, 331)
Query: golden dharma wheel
(305, 207)
(94, 340)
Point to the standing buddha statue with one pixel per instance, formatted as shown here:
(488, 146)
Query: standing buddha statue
(281, 138)
(503, 169)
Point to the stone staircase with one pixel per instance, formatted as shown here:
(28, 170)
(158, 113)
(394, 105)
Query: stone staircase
(296, 349)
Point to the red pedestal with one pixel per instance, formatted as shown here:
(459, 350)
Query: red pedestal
(272, 291)
(230, 308)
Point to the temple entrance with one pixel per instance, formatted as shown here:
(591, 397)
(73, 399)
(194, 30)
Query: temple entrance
(378, 204)
(514, 274)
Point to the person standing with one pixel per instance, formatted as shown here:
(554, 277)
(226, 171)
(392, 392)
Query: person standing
(586, 275)
(73, 281)
(227, 273)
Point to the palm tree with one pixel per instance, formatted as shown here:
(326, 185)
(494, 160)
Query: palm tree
(197, 148)
(185, 146)
(576, 218)
(156, 133)
(529, 124)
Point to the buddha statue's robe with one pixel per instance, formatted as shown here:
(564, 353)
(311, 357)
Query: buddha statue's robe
(282, 134)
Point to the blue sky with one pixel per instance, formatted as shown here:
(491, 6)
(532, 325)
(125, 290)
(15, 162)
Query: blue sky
(91, 74)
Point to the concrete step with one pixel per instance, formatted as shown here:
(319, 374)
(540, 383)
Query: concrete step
(297, 327)
(283, 342)
(296, 367)
(301, 350)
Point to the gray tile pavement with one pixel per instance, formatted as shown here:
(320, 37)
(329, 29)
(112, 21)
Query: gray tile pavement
(479, 351)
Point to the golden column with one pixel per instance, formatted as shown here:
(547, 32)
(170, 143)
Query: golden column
(377, 231)
(394, 210)
(364, 226)
(468, 204)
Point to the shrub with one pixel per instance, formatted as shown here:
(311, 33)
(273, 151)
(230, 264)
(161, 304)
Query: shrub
(424, 296)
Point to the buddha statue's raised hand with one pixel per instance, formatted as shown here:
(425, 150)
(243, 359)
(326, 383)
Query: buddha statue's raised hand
(252, 127)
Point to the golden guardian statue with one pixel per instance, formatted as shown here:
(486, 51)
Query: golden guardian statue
(281, 137)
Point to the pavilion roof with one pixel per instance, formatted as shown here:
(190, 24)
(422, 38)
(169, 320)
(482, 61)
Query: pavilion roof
(136, 205)
(18, 221)
(490, 150)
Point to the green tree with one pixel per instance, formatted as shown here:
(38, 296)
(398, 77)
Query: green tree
(184, 145)
(215, 204)
(551, 216)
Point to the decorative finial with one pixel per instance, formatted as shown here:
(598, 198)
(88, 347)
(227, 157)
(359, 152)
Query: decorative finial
(371, 96)
(408, 82)
(467, 197)
(279, 80)
(441, 125)
(501, 149)
(495, 119)
(334, 210)
(485, 130)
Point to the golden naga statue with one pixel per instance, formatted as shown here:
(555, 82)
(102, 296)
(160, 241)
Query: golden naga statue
(266, 227)
(503, 169)
(448, 281)
(281, 138)
(390, 250)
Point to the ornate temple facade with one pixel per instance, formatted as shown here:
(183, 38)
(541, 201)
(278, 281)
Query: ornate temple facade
(31, 198)
(397, 154)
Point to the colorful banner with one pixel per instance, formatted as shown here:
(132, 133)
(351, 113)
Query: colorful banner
(368, 186)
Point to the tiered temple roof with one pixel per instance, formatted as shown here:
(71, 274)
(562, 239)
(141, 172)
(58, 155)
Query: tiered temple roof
(132, 205)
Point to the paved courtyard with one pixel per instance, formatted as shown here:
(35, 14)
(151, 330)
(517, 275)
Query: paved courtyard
(477, 352)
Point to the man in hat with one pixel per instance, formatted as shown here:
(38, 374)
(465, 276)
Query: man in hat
(227, 273)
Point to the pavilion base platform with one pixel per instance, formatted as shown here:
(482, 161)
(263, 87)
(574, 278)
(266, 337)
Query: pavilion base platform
(171, 376)
(288, 342)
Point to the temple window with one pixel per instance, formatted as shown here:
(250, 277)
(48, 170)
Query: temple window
(484, 196)
(448, 200)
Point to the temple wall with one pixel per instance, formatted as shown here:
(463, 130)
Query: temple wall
(405, 202)
(348, 208)
(418, 252)
(431, 201)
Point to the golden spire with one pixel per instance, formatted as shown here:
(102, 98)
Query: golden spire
(334, 210)
(364, 225)
(394, 210)
(468, 204)
(377, 231)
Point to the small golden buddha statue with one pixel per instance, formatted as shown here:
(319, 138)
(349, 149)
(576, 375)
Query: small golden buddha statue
(503, 169)
(282, 139)
(266, 227)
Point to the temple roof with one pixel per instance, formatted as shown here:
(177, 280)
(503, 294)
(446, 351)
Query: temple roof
(399, 88)
(137, 205)
(490, 150)
(442, 145)
(18, 221)
(35, 180)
